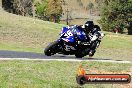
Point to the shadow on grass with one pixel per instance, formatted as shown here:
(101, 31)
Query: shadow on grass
(31, 55)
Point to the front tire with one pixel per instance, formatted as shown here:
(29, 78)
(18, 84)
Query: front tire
(51, 48)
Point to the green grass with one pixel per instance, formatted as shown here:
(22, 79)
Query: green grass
(18, 48)
(52, 74)
(117, 47)
(20, 33)
(26, 33)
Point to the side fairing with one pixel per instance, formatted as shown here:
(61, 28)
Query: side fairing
(81, 35)
(67, 35)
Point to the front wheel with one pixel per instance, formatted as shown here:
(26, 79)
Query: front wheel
(51, 48)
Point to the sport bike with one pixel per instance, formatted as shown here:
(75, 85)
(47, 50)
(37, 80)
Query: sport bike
(72, 41)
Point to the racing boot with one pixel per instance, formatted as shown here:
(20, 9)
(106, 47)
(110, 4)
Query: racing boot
(91, 53)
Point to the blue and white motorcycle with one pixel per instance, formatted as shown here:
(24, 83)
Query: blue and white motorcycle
(72, 41)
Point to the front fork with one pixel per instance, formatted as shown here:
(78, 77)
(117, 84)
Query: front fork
(60, 45)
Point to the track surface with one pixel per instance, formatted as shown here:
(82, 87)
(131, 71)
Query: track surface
(15, 55)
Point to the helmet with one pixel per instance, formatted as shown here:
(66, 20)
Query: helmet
(97, 27)
(89, 25)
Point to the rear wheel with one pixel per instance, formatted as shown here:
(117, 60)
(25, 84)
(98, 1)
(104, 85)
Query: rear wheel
(79, 55)
(51, 48)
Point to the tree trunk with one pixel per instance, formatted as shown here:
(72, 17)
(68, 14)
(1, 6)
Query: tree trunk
(130, 29)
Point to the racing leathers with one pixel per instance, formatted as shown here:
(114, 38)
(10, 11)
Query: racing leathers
(93, 38)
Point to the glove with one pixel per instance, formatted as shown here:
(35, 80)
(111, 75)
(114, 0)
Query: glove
(94, 38)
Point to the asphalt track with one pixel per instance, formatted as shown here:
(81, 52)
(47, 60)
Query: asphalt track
(15, 55)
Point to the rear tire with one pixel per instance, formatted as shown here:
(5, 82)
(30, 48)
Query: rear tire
(51, 48)
(79, 55)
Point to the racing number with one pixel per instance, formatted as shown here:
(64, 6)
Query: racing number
(68, 33)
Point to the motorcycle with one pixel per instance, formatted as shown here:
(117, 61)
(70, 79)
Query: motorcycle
(72, 41)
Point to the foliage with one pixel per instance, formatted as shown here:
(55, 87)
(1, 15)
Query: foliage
(49, 10)
(20, 7)
(90, 7)
(54, 10)
(41, 9)
(80, 2)
(116, 13)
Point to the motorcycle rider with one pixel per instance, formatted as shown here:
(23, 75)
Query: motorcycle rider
(93, 32)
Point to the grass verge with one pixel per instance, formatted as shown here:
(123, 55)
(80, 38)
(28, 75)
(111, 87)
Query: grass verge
(54, 74)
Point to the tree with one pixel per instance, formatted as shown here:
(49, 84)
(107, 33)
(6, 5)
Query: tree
(80, 2)
(130, 28)
(19, 7)
(116, 13)
(90, 6)
(54, 10)
(50, 10)
(41, 9)
(23, 7)
(7, 5)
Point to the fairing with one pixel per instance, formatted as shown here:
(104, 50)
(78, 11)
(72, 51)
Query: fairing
(67, 34)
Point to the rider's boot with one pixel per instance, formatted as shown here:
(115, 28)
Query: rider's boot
(91, 53)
